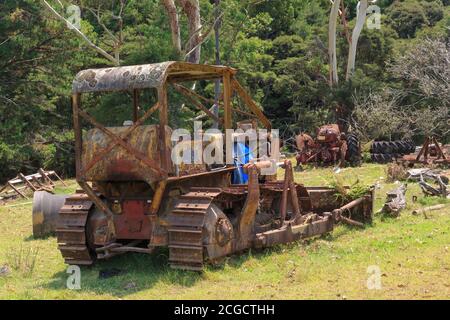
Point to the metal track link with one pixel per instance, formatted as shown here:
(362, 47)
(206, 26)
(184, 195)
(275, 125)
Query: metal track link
(71, 230)
(186, 228)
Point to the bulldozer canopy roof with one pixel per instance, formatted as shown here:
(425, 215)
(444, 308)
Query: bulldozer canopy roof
(144, 76)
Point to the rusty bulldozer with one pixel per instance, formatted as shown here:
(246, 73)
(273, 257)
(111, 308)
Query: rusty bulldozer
(133, 198)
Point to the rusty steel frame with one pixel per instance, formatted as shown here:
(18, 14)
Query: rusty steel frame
(230, 85)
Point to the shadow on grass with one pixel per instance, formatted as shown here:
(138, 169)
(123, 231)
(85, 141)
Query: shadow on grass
(31, 237)
(138, 272)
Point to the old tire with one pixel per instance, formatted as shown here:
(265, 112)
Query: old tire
(382, 158)
(399, 147)
(353, 155)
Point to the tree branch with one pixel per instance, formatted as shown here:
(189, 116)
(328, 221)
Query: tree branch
(82, 36)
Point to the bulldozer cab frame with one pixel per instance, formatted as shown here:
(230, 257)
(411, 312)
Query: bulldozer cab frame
(153, 76)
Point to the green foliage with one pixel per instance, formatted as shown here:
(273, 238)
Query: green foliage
(433, 10)
(406, 18)
(279, 47)
(347, 194)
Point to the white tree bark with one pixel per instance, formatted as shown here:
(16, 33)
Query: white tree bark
(191, 8)
(360, 21)
(193, 47)
(174, 24)
(334, 79)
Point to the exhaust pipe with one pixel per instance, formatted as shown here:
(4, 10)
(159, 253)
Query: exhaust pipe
(46, 207)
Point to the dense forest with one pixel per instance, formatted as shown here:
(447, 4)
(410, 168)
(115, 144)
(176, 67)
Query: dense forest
(400, 86)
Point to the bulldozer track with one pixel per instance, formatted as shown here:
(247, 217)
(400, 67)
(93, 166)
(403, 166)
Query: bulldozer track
(186, 228)
(71, 230)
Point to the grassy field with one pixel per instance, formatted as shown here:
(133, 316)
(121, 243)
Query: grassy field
(412, 253)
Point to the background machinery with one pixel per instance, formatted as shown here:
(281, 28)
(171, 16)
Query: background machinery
(331, 146)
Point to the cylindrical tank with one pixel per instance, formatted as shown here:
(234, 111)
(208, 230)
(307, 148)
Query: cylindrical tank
(46, 207)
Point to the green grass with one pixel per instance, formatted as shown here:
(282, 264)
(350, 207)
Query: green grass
(412, 253)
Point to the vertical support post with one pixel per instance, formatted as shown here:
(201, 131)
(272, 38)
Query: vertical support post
(135, 105)
(292, 189)
(217, 47)
(284, 196)
(227, 100)
(78, 135)
(163, 122)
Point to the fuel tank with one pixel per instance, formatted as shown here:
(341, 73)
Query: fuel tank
(119, 164)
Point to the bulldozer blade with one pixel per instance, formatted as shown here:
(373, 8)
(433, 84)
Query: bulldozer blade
(46, 207)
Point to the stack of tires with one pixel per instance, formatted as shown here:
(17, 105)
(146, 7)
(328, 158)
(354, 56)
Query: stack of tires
(386, 151)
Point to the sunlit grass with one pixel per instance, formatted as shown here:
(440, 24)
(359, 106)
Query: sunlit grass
(412, 253)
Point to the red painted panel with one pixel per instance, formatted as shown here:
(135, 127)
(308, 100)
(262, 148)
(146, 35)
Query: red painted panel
(133, 223)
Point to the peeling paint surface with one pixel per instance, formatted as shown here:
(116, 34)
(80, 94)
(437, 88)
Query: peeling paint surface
(121, 78)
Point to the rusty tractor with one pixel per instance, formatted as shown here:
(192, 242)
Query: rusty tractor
(133, 198)
(331, 146)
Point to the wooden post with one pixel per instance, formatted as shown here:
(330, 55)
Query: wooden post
(227, 100)
(78, 136)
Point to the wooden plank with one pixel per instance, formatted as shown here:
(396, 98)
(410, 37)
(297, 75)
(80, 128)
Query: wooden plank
(251, 104)
(17, 190)
(59, 178)
(45, 176)
(28, 183)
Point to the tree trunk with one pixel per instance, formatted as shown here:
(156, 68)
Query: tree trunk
(334, 79)
(193, 48)
(360, 20)
(174, 24)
